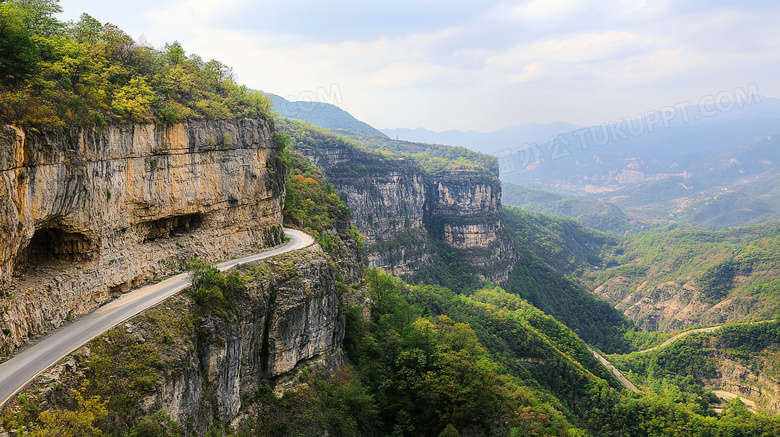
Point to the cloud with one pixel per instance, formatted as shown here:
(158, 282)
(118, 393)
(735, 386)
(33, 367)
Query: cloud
(547, 9)
(474, 64)
(530, 72)
(581, 48)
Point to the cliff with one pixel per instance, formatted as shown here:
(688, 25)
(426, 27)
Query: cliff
(87, 213)
(288, 315)
(738, 359)
(748, 382)
(404, 210)
(200, 362)
(464, 210)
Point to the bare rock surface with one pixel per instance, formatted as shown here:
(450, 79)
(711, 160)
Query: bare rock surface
(88, 213)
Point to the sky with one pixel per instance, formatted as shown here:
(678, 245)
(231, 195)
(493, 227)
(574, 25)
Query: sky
(472, 64)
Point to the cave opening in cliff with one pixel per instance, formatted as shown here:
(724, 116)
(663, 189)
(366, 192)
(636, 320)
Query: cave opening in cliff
(171, 226)
(51, 246)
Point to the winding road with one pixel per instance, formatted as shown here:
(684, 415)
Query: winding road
(623, 380)
(680, 335)
(615, 372)
(18, 371)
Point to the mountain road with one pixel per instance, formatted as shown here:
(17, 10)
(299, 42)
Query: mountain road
(19, 370)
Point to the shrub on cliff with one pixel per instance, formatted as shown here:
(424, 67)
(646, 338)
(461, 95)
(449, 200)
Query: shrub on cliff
(311, 202)
(213, 290)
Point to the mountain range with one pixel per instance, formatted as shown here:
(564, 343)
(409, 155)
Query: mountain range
(711, 164)
(485, 142)
(322, 114)
(423, 304)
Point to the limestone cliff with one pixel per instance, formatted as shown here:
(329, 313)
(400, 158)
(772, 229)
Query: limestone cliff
(289, 315)
(465, 212)
(404, 210)
(747, 382)
(86, 213)
(200, 363)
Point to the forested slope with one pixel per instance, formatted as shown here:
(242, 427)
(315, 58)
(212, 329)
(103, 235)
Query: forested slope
(672, 277)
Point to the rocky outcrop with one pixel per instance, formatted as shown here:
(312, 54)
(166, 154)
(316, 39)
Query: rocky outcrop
(673, 305)
(747, 383)
(289, 315)
(403, 210)
(202, 361)
(86, 213)
(666, 307)
(465, 212)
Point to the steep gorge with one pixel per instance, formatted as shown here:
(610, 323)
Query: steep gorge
(406, 212)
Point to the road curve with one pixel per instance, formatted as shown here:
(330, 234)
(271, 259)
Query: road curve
(695, 331)
(604, 362)
(615, 372)
(620, 377)
(680, 335)
(18, 371)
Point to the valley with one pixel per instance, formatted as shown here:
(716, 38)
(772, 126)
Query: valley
(291, 270)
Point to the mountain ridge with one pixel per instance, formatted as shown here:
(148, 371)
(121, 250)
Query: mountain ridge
(485, 142)
(322, 114)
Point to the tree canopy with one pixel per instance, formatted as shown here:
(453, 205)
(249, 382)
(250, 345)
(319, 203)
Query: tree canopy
(87, 73)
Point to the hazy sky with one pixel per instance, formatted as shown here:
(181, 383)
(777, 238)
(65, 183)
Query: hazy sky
(463, 64)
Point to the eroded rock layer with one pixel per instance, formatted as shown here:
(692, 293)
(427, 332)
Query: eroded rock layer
(289, 315)
(85, 213)
(404, 211)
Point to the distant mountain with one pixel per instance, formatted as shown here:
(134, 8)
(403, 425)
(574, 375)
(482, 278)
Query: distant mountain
(593, 213)
(701, 164)
(608, 157)
(324, 115)
(735, 187)
(485, 142)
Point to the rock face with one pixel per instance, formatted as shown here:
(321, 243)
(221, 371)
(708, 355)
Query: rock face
(403, 211)
(465, 212)
(85, 213)
(289, 315)
(673, 305)
(747, 383)
(666, 307)
(210, 358)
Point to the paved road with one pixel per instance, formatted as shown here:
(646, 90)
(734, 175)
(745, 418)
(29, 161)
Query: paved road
(623, 380)
(694, 331)
(21, 369)
(628, 383)
(680, 335)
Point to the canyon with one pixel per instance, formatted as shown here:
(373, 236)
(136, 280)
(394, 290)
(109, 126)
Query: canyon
(404, 210)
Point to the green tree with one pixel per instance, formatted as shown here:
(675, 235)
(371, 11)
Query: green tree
(449, 431)
(38, 16)
(211, 289)
(174, 53)
(135, 100)
(18, 52)
(218, 73)
(86, 30)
